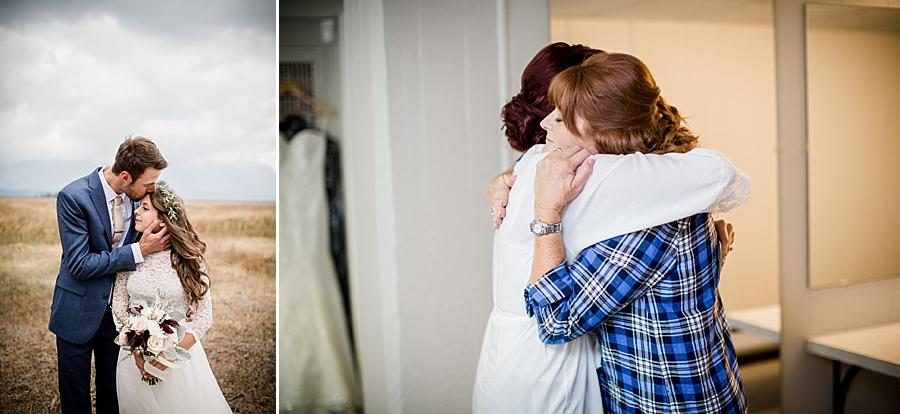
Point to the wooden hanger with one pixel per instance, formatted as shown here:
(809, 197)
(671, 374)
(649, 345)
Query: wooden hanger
(289, 88)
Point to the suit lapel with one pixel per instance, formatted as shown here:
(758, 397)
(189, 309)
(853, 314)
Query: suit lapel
(99, 199)
(132, 234)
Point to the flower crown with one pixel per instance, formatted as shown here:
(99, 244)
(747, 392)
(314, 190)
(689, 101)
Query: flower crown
(169, 200)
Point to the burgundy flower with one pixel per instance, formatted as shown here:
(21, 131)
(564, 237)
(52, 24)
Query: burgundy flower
(168, 326)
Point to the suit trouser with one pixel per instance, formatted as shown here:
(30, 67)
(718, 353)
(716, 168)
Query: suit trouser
(74, 363)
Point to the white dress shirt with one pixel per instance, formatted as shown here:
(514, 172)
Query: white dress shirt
(127, 211)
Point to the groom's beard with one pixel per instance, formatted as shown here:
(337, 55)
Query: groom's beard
(129, 191)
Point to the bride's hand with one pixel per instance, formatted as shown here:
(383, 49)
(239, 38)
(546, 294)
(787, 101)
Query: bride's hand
(139, 361)
(725, 232)
(498, 195)
(159, 365)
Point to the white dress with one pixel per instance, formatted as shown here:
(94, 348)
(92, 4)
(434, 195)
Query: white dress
(517, 373)
(316, 373)
(188, 388)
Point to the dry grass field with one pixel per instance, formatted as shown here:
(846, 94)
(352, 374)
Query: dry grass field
(240, 345)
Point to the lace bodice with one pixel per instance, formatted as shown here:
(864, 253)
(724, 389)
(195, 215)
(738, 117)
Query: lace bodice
(155, 280)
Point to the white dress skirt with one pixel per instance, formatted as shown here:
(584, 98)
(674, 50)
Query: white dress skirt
(517, 372)
(189, 388)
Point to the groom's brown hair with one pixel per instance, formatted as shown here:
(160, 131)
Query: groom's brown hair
(136, 154)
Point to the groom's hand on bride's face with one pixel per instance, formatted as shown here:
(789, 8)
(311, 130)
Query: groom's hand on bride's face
(154, 242)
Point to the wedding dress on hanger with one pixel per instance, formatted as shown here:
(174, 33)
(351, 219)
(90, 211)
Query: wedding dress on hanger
(315, 359)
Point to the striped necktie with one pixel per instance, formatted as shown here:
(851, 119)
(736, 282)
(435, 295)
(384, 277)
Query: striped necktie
(118, 221)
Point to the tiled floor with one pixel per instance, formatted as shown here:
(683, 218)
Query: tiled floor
(761, 385)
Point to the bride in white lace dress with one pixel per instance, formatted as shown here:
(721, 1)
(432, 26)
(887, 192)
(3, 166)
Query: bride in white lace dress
(178, 278)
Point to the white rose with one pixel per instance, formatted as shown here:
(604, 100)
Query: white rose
(139, 324)
(154, 329)
(156, 344)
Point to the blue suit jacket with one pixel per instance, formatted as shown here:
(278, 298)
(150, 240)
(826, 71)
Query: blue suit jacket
(88, 266)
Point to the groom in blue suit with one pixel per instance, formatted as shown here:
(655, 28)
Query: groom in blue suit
(98, 239)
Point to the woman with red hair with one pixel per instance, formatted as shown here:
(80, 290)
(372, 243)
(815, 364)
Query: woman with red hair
(517, 372)
(649, 292)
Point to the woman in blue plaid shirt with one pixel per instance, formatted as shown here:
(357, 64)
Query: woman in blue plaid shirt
(651, 296)
(517, 373)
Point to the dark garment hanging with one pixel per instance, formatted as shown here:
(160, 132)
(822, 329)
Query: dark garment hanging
(336, 220)
(290, 126)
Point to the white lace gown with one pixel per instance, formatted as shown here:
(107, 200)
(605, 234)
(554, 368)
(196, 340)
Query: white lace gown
(315, 361)
(188, 388)
(517, 373)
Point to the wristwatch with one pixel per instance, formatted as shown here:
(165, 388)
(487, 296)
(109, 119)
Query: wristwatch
(539, 228)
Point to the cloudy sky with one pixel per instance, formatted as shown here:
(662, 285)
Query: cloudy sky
(197, 77)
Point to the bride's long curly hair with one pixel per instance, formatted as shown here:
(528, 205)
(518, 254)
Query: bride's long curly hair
(187, 249)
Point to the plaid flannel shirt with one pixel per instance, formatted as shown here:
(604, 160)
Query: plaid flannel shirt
(651, 297)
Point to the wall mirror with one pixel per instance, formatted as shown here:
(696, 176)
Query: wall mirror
(853, 143)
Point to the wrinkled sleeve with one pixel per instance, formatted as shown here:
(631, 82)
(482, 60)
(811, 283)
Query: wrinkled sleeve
(120, 300)
(570, 300)
(629, 193)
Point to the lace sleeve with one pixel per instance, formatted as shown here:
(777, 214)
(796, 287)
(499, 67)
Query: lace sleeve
(735, 186)
(203, 316)
(120, 300)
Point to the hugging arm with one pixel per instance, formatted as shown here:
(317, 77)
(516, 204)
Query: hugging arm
(648, 190)
(498, 194)
(571, 300)
(83, 264)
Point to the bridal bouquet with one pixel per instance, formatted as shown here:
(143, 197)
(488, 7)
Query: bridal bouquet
(155, 332)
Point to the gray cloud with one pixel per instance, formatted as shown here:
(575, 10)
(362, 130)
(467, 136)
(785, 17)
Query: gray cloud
(161, 17)
(197, 78)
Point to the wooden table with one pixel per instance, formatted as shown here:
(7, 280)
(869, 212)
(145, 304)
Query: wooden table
(764, 321)
(875, 348)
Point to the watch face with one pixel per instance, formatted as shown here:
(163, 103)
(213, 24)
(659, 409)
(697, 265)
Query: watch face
(537, 227)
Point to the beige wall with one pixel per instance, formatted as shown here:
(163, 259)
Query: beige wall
(806, 379)
(722, 77)
(854, 155)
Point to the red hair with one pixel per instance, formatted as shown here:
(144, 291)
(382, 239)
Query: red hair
(621, 104)
(523, 114)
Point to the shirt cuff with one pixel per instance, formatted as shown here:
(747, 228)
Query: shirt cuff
(552, 287)
(136, 252)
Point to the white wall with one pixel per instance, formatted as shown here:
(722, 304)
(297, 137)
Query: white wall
(423, 85)
(721, 76)
(806, 379)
